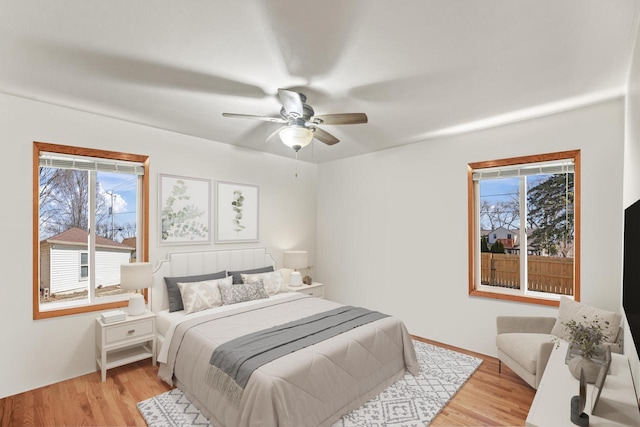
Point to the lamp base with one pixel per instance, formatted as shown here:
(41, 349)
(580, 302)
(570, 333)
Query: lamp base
(295, 279)
(136, 305)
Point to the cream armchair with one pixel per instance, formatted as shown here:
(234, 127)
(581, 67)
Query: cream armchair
(525, 342)
(524, 345)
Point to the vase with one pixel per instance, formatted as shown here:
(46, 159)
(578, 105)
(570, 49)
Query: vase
(574, 350)
(588, 366)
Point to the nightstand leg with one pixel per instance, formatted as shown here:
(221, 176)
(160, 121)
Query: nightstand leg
(104, 365)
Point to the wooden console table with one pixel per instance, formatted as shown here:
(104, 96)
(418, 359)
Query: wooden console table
(551, 405)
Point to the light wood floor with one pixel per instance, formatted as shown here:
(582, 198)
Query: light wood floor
(487, 399)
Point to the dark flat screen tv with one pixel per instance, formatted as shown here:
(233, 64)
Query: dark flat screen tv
(631, 271)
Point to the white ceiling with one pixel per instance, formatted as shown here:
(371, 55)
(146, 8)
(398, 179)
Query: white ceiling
(418, 68)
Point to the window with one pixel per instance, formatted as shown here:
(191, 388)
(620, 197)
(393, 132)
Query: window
(90, 216)
(531, 207)
(84, 266)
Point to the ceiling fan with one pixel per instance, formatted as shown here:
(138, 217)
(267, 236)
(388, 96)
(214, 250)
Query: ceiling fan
(301, 121)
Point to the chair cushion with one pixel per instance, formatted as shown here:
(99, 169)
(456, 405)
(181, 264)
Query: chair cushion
(523, 348)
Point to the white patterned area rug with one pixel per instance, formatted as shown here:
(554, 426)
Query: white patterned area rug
(411, 401)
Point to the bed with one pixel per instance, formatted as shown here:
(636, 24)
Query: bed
(312, 386)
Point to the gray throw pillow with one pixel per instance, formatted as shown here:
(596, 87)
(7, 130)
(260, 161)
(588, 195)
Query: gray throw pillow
(232, 294)
(237, 278)
(175, 298)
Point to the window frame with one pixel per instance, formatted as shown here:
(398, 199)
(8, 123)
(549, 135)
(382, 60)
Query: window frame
(474, 241)
(38, 148)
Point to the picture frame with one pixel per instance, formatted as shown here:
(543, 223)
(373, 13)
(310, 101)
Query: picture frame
(578, 403)
(184, 210)
(237, 212)
(599, 384)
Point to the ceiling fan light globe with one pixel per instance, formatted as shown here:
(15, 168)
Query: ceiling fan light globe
(296, 137)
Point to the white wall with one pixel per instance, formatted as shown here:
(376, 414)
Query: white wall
(36, 353)
(392, 225)
(631, 191)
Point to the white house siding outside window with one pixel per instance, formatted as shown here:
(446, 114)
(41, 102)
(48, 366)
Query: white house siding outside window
(524, 235)
(88, 202)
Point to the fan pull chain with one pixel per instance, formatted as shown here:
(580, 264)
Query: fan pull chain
(296, 164)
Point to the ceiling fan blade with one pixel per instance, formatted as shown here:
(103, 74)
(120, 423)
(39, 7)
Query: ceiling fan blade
(324, 136)
(261, 118)
(291, 101)
(340, 119)
(127, 69)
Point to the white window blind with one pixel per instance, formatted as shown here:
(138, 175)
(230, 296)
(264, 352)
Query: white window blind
(62, 161)
(543, 168)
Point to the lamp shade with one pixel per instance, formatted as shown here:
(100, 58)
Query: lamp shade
(296, 137)
(136, 275)
(296, 259)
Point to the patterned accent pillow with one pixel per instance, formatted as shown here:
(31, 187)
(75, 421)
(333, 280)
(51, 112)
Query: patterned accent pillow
(272, 282)
(232, 294)
(198, 296)
(175, 298)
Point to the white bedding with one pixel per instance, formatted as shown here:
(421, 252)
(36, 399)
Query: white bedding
(167, 322)
(313, 386)
(164, 320)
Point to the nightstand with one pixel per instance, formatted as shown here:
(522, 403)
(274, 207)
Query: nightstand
(124, 342)
(315, 289)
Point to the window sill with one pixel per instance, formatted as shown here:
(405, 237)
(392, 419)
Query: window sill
(79, 306)
(553, 302)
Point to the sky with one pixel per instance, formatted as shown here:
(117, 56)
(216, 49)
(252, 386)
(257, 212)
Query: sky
(504, 189)
(123, 187)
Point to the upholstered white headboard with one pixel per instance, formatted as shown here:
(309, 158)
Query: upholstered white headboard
(203, 262)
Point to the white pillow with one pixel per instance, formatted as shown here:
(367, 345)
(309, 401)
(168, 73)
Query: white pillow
(273, 281)
(198, 296)
(581, 313)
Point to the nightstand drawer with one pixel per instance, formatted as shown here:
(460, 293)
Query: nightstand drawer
(128, 331)
(315, 289)
(314, 292)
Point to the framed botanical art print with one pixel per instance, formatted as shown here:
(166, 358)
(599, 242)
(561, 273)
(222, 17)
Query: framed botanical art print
(237, 208)
(184, 206)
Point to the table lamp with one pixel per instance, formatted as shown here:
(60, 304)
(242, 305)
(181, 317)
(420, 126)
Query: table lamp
(295, 260)
(136, 276)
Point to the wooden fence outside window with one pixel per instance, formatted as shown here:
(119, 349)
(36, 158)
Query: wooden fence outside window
(545, 274)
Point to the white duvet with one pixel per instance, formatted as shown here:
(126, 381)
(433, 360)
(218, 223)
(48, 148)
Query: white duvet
(314, 386)
(179, 317)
